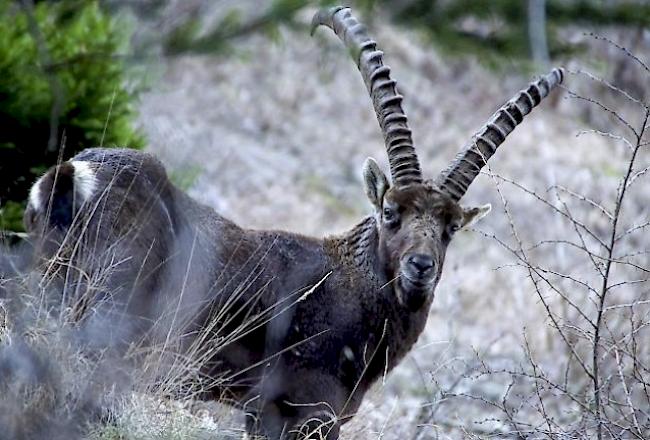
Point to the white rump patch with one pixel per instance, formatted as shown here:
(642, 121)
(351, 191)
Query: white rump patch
(35, 195)
(85, 181)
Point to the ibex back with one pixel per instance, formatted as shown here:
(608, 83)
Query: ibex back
(300, 327)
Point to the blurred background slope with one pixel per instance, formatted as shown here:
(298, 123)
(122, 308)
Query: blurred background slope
(270, 127)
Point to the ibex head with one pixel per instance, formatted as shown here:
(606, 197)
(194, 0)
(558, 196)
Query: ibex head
(416, 223)
(417, 218)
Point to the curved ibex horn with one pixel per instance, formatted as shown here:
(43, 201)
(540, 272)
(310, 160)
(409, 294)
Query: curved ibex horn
(404, 165)
(460, 173)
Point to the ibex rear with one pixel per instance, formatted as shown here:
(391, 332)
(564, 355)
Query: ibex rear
(301, 327)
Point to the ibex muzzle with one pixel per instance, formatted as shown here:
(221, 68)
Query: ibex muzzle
(363, 297)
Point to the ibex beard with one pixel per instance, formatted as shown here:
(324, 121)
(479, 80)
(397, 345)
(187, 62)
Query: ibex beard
(329, 316)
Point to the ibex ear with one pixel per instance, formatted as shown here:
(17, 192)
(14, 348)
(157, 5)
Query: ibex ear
(375, 182)
(473, 215)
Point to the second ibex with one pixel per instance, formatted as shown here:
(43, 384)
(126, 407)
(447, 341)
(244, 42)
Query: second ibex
(329, 315)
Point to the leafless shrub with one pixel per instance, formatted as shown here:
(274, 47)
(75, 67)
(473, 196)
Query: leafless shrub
(589, 271)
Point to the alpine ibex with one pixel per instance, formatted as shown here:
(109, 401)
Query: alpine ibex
(343, 309)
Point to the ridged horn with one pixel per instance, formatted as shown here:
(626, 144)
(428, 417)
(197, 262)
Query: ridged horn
(461, 172)
(404, 165)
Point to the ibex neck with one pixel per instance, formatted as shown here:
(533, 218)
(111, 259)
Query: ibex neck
(358, 247)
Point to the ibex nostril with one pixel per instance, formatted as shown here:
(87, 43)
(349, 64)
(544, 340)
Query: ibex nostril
(422, 263)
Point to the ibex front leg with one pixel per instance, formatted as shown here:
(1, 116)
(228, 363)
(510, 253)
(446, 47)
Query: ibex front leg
(304, 409)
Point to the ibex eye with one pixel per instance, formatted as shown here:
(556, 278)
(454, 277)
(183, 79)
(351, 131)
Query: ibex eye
(391, 216)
